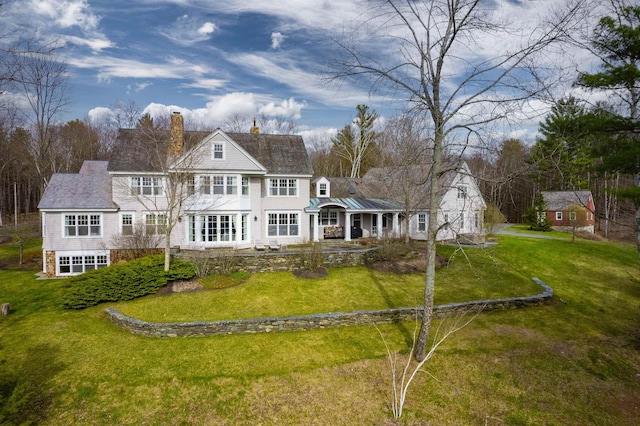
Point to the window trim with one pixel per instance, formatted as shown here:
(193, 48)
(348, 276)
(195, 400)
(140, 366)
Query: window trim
(573, 216)
(558, 215)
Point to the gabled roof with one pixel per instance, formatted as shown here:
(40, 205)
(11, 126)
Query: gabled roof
(138, 150)
(563, 200)
(88, 189)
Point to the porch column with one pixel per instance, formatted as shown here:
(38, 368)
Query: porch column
(314, 219)
(347, 226)
(379, 226)
(396, 225)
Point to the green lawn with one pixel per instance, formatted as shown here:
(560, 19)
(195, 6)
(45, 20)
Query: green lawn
(573, 362)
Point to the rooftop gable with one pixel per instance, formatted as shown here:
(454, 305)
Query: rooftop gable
(138, 150)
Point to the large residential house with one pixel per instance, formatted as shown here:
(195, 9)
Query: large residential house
(233, 190)
(224, 190)
(568, 209)
(389, 202)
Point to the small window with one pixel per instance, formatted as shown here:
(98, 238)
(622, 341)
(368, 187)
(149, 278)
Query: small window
(462, 192)
(232, 185)
(422, 222)
(558, 215)
(205, 185)
(127, 223)
(245, 185)
(573, 215)
(323, 190)
(218, 151)
(218, 185)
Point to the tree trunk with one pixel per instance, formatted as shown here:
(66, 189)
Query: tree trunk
(430, 275)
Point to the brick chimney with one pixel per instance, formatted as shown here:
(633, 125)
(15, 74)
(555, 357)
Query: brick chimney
(255, 130)
(176, 135)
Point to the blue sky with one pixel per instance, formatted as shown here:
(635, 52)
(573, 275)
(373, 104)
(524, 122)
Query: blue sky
(209, 59)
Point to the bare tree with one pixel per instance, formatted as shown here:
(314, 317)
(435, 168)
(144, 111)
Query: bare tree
(431, 57)
(404, 166)
(43, 81)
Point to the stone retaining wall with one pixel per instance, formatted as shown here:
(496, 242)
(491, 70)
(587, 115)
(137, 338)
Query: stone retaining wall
(328, 320)
(224, 261)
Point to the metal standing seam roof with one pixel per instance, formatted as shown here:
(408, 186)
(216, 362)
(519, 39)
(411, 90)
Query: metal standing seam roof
(356, 204)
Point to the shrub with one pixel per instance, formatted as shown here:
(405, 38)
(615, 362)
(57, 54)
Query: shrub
(311, 257)
(389, 250)
(123, 281)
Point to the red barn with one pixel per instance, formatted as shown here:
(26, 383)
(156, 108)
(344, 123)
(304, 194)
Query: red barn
(569, 209)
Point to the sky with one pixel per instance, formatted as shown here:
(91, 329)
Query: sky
(214, 59)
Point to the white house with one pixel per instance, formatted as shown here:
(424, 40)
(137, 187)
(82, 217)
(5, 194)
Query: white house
(225, 190)
(238, 190)
(389, 202)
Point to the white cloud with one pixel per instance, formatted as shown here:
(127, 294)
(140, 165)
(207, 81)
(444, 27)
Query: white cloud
(112, 67)
(207, 28)
(67, 13)
(288, 108)
(96, 44)
(188, 30)
(276, 40)
(100, 115)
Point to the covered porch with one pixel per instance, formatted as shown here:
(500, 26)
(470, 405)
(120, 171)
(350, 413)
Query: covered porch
(352, 218)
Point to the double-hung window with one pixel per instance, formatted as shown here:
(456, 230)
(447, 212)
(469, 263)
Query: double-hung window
(232, 185)
(218, 151)
(462, 192)
(82, 225)
(245, 185)
(126, 223)
(218, 185)
(205, 185)
(558, 215)
(283, 187)
(147, 185)
(328, 217)
(283, 224)
(155, 223)
(422, 222)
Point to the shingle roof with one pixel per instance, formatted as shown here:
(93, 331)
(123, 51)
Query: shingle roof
(562, 200)
(88, 189)
(144, 151)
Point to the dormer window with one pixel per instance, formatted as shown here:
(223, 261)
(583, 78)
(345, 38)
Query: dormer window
(218, 151)
(323, 188)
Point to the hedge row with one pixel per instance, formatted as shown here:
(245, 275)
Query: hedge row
(123, 281)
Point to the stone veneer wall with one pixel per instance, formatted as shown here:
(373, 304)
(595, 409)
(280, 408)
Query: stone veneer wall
(309, 322)
(50, 267)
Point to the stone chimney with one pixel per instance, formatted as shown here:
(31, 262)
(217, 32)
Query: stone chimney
(176, 135)
(255, 130)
